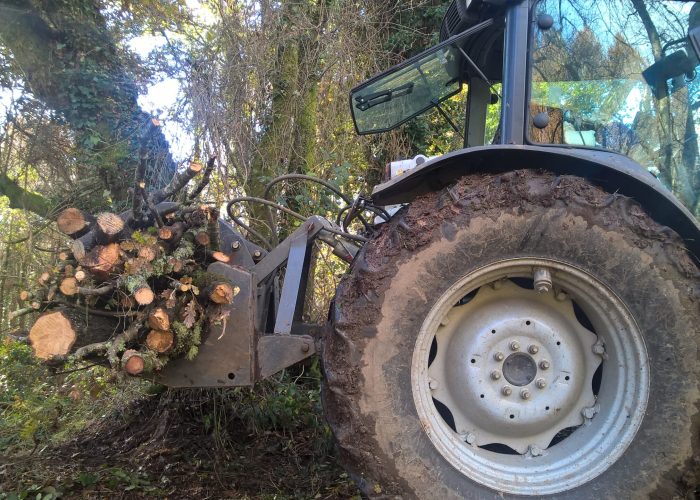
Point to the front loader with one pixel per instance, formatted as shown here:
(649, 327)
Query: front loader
(521, 316)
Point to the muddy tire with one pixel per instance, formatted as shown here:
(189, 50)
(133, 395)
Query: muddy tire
(381, 367)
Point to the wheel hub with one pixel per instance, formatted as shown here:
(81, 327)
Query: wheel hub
(520, 369)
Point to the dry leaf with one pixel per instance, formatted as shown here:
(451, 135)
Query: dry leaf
(169, 296)
(190, 314)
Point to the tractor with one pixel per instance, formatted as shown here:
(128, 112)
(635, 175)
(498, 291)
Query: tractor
(523, 319)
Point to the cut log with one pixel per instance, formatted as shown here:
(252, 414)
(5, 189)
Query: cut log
(132, 362)
(143, 295)
(102, 260)
(135, 363)
(44, 278)
(63, 255)
(69, 287)
(176, 264)
(202, 238)
(68, 271)
(80, 275)
(140, 290)
(221, 257)
(221, 293)
(158, 319)
(74, 222)
(24, 295)
(109, 228)
(148, 253)
(160, 341)
(57, 333)
(172, 234)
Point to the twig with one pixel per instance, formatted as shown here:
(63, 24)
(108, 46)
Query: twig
(95, 292)
(205, 179)
(22, 312)
(179, 181)
(121, 340)
(86, 367)
(151, 207)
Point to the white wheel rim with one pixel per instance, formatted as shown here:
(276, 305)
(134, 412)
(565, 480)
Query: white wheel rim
(474, 341)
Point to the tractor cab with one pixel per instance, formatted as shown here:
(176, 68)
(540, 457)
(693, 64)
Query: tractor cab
(618, 76)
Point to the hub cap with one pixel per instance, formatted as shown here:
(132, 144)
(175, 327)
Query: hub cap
(515, 371)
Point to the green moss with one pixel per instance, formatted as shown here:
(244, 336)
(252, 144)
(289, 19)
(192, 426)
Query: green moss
(187, 340)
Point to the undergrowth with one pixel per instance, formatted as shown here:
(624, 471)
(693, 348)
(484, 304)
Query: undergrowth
(78, 434)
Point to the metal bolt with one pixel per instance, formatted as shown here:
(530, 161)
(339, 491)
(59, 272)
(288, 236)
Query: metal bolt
(257, 254)
(543, 280)
(515, 345)
(534, 450)
(598, 348)
(544, 364)
(433, 384)
(495, 375)
(471, 438)
(525, 394)
(499, 356)
(506, 391)
(561, 296)
(236, 245)
(589, 412)
(445, 321)
(496, 285)
(533, 349)
(541, 383)
(305, 347)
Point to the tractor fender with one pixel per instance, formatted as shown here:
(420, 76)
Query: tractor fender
(611, 171)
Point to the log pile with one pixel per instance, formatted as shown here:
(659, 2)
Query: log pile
(132, 291)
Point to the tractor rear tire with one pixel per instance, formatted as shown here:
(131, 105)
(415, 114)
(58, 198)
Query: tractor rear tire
(623, 284)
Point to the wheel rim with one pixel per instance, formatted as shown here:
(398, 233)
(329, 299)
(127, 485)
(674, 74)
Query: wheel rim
(537, 380)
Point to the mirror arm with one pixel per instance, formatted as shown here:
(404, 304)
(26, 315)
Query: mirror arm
(476, 68)
(447, 118)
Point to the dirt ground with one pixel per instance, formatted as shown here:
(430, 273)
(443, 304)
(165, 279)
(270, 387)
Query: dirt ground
(186, 445)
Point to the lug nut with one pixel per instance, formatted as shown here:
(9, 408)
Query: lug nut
(257, 254)
(541, 383)
(495, 375)
(496, 285)
(433, 384)
(499, 356)
(236, 245)
(561, 296)
(515, 345)
(445, 321)
(470, 438)
(544, 364)
(506, 391)
(525, 394)
(533, 349)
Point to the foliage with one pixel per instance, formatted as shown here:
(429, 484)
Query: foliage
(38, 407)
